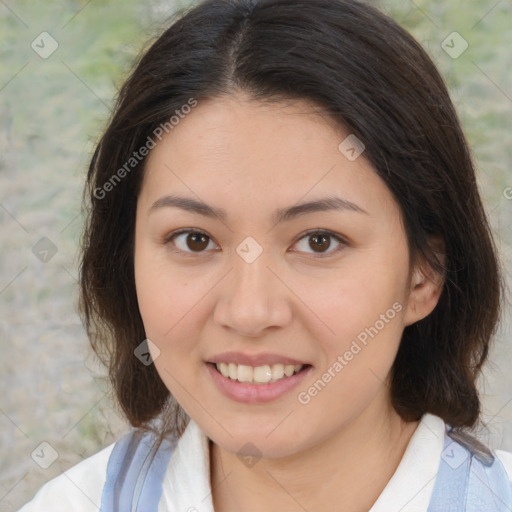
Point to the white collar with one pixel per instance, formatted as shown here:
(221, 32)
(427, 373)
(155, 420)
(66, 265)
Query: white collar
(186, 485)
(410, 488)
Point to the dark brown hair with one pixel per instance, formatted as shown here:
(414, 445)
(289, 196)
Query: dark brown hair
(369, 75)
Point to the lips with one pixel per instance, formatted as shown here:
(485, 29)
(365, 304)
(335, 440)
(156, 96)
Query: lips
(254, 360)
(256, 378)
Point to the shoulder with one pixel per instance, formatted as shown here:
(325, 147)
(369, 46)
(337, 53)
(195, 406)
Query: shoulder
(78, 489)
(506, 459)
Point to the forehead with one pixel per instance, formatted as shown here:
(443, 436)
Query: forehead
(237, 151)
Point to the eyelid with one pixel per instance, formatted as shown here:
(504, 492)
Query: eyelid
(322, 231)
(317, 231)
(170, 237)
(173, 234)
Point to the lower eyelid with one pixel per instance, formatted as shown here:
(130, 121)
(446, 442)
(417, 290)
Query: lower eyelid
(169, 239)
(342, 242)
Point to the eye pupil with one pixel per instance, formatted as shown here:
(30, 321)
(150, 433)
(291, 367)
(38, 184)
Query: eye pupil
(197, 238)
(322, 245)
(198, 242)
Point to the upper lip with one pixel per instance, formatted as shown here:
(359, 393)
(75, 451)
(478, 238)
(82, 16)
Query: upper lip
(254, 359)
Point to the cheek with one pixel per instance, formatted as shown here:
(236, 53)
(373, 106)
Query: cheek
(156, 295)
(357, 359)
(170, 300)
(353, 303)
(169, 305)
(360, 332)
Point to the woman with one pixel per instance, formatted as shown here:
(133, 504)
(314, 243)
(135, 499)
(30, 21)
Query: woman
(287, 251)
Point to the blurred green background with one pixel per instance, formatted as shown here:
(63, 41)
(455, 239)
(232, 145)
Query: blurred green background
(53, 109)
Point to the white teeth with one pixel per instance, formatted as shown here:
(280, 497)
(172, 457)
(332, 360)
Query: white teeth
(262, 373)
(277, 371)
(245, 373)
(233, 371)
(289, 369)
(259, 374)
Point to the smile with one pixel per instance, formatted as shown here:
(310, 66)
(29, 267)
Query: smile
(259, 374)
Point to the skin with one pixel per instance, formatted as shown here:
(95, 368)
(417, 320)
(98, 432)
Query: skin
(251, 158)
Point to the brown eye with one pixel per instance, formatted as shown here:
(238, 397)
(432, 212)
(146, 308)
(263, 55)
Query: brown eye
(320, 241)
(197, 241)
(189, 241)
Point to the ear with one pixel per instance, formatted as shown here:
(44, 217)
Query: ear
(425, 285)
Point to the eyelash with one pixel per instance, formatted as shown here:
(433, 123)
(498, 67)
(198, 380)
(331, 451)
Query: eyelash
(170, 238)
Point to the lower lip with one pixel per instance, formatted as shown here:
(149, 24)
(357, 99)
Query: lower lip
(255, 393)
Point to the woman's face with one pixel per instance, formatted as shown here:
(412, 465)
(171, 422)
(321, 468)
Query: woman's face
(269, 286)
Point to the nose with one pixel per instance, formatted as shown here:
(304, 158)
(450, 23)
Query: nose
(253, 299)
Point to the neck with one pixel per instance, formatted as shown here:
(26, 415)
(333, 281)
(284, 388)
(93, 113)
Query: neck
(350, 467)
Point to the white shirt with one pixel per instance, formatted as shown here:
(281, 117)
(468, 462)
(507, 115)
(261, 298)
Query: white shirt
(186, 485)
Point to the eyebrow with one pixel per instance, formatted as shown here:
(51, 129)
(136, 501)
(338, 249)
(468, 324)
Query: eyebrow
(280, 215)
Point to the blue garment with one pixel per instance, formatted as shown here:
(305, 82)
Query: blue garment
(470, 481)
(135, 471)
(467, 481)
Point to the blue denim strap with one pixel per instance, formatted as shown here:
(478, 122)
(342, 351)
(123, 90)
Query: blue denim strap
(465, 483)
(135, 472)
(489, 488)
